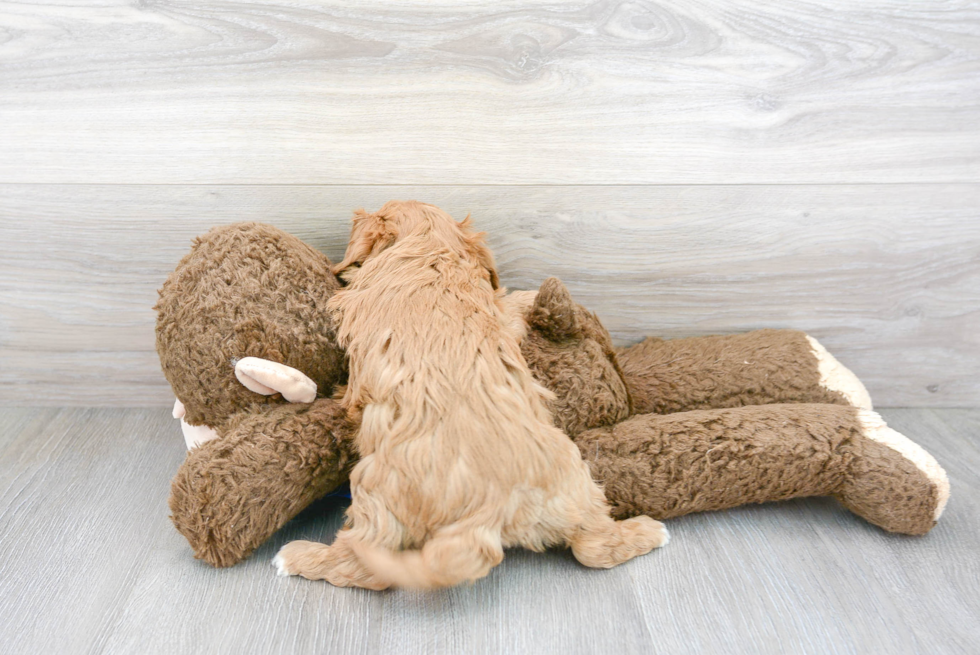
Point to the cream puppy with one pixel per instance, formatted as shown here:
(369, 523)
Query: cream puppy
(459, 455)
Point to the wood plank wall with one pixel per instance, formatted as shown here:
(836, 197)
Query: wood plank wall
(686, 167)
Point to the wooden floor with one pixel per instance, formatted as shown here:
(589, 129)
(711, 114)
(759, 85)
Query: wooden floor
(89, 563)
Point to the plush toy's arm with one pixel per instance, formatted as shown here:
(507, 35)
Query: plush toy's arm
(667, 466)
(756, 368)
(231, 494)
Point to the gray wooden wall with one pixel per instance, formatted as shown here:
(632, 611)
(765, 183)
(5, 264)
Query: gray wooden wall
(686, 167)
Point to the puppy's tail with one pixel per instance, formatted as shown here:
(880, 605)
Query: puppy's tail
(442, 562)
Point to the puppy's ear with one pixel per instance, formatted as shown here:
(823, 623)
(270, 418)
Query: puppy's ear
(369, 234)
(485, 257)
(477, 247)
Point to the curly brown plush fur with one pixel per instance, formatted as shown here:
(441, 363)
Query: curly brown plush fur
(700, 460)
(232, 493)
(572, 354)
(245, 290)
(756, 368)
(668, 466)
(253, 290)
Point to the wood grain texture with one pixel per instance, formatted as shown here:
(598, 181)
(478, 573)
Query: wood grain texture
(887, 277)
(90, 564)
(608, 92)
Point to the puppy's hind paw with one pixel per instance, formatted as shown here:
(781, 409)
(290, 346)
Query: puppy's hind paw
(281, 569)
(645, 533)
(619, 541)
(303, 558)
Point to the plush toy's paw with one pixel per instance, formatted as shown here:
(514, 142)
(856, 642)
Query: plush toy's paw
(874, 427)
(195, 435)
(267, 377)
(837, 377)
(892, 481)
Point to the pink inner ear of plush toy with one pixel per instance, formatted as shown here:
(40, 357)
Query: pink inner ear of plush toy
(266, 377)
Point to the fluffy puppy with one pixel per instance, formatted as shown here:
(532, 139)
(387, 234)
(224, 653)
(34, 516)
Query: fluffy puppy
(459, 455)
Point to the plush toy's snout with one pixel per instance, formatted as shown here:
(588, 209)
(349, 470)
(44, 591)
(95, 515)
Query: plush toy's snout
(194, 435)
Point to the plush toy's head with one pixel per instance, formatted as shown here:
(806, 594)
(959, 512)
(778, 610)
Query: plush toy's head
(245, 290)
(571, 353)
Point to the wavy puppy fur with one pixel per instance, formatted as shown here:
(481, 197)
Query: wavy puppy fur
(459, 455)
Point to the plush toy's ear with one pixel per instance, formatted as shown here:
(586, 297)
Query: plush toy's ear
(369, 234)
(553, 312)
(476, 243)
(266, 378)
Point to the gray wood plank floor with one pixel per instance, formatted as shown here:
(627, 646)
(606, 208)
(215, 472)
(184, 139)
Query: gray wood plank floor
(89, 563)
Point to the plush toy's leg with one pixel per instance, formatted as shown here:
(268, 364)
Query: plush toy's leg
(756, 368)
(232, 493)
(893, 481)
(667, 466)
(838, 378)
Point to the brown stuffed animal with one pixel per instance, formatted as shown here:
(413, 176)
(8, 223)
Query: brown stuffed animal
(247, 293)
(252, 294)
(820, 438)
